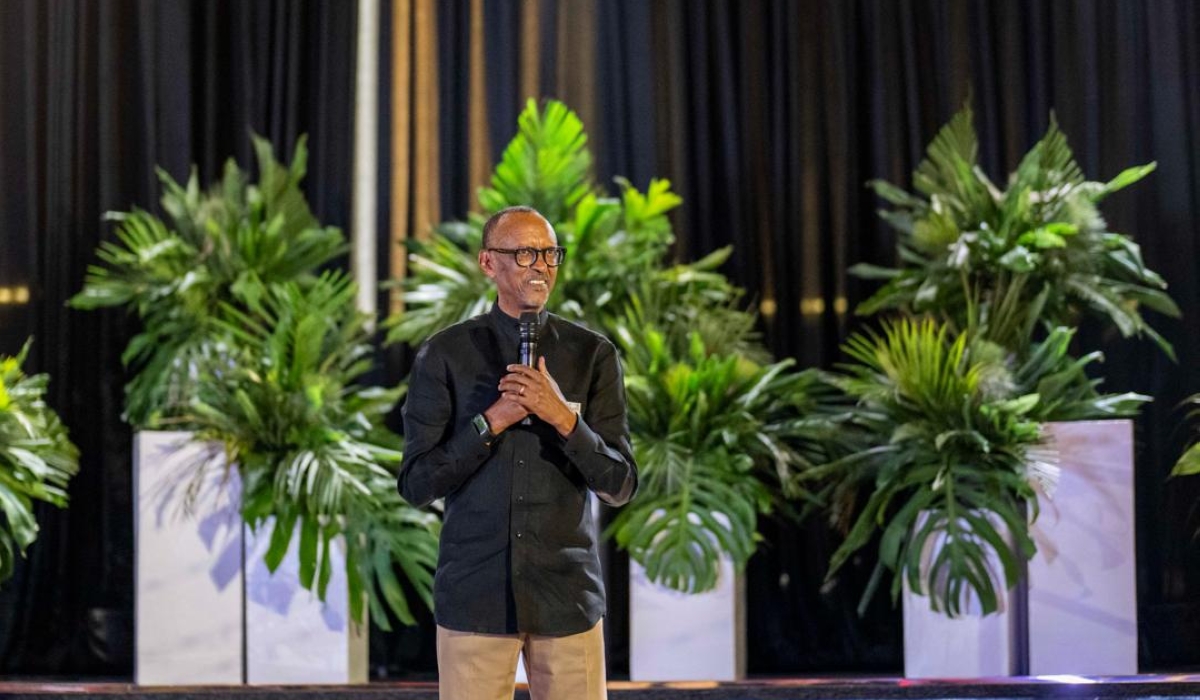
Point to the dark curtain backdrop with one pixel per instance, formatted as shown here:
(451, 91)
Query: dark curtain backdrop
(768, 117)
(97, 93)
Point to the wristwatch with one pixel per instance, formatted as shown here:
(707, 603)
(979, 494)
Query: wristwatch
(485, 430)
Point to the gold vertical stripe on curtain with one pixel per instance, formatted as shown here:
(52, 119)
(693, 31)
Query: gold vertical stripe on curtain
(426, 192)
(531, 41)
(479, 166)
(414, 197)
(575, 78)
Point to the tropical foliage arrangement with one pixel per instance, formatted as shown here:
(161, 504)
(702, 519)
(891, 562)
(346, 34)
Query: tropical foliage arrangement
(1005, 264)
(245, 344)
(944, 440)
(718, 430)
(212, 247)
(948, 453)
(37, 459)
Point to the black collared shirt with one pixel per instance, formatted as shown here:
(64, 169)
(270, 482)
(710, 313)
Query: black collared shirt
(518, 551)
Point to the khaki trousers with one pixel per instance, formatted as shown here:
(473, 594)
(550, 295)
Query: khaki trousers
(475, 666)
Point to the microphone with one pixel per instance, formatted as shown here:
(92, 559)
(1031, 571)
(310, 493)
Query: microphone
(527, 328)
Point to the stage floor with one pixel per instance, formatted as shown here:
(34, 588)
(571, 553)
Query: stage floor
(1175, 687)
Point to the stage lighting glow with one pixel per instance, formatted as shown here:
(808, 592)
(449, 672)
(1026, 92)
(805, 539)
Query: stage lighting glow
(1066, 678)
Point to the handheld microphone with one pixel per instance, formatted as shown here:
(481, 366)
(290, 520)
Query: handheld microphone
(527, 328)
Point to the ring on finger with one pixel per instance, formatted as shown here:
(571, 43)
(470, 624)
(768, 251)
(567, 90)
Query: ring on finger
(522, 392)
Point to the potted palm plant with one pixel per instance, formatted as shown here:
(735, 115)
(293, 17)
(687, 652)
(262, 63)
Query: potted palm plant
(717, 428)
(214, 284)
(1011, 271)
(37, 458)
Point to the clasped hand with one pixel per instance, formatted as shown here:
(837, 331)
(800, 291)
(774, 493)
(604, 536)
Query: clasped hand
(527, 391)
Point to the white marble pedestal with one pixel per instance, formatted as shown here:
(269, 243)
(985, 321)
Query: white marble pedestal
(969, 646)
(1083, 581)
(187, 566)
(680, 637)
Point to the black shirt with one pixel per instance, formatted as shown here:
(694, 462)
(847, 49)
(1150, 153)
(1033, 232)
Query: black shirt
(518, 550)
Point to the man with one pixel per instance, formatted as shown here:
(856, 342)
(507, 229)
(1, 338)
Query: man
(518, 568)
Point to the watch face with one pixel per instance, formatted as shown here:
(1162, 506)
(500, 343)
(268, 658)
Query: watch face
(482, 427)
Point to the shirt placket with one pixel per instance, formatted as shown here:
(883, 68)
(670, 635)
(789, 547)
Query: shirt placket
(519, 530)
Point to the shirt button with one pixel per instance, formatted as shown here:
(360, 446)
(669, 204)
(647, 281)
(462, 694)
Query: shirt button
(520, 499)
(518, 535)
(521, 463)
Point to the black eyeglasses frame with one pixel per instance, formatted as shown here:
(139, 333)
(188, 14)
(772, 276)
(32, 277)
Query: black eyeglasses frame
(543, 253)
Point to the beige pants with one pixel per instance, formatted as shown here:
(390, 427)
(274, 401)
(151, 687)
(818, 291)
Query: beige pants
(475, 666)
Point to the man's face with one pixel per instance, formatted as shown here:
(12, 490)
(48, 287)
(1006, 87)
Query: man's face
(520, 288)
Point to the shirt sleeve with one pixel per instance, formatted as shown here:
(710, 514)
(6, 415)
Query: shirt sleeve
(437, 458)
(599, 447)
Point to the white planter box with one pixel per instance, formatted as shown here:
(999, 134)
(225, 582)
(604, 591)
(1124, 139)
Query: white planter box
(187, 567)
(291, 636)
(679, 637)
(207, 609)
(969, 646)
(1082, 583)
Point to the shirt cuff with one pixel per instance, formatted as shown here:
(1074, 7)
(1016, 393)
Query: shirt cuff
(468, 449)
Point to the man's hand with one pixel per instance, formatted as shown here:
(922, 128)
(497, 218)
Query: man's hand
(504, 413)
(536, 392)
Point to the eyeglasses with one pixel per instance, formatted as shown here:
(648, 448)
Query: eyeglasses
(526, 257)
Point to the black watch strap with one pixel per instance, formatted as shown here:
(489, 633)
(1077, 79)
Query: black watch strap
(484, 430)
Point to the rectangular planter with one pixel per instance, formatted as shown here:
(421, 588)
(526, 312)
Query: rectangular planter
(680, 637)
(207, 609)
(969, 646)
(291, 636)
(187, 567)
(1083, 581)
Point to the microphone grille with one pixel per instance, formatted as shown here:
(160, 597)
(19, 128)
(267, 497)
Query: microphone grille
(528, 324)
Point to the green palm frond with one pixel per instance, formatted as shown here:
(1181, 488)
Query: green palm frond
(214, 247)
(37, 458)
(1189, 462)
(445, 284)
(946, 472)
(546, 166)
(283, 398)
(1007, 265)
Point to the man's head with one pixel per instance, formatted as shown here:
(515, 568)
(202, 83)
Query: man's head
(519, 288)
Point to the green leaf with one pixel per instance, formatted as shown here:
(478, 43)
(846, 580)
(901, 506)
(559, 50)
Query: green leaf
(1189, 463)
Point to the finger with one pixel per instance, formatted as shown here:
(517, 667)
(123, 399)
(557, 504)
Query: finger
(542, 366)
(523, 370)
(516, 384)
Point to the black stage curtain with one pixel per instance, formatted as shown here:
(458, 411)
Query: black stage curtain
(769, 117)
(97, 94)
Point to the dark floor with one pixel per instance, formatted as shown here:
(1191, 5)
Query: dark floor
(1175, 687)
